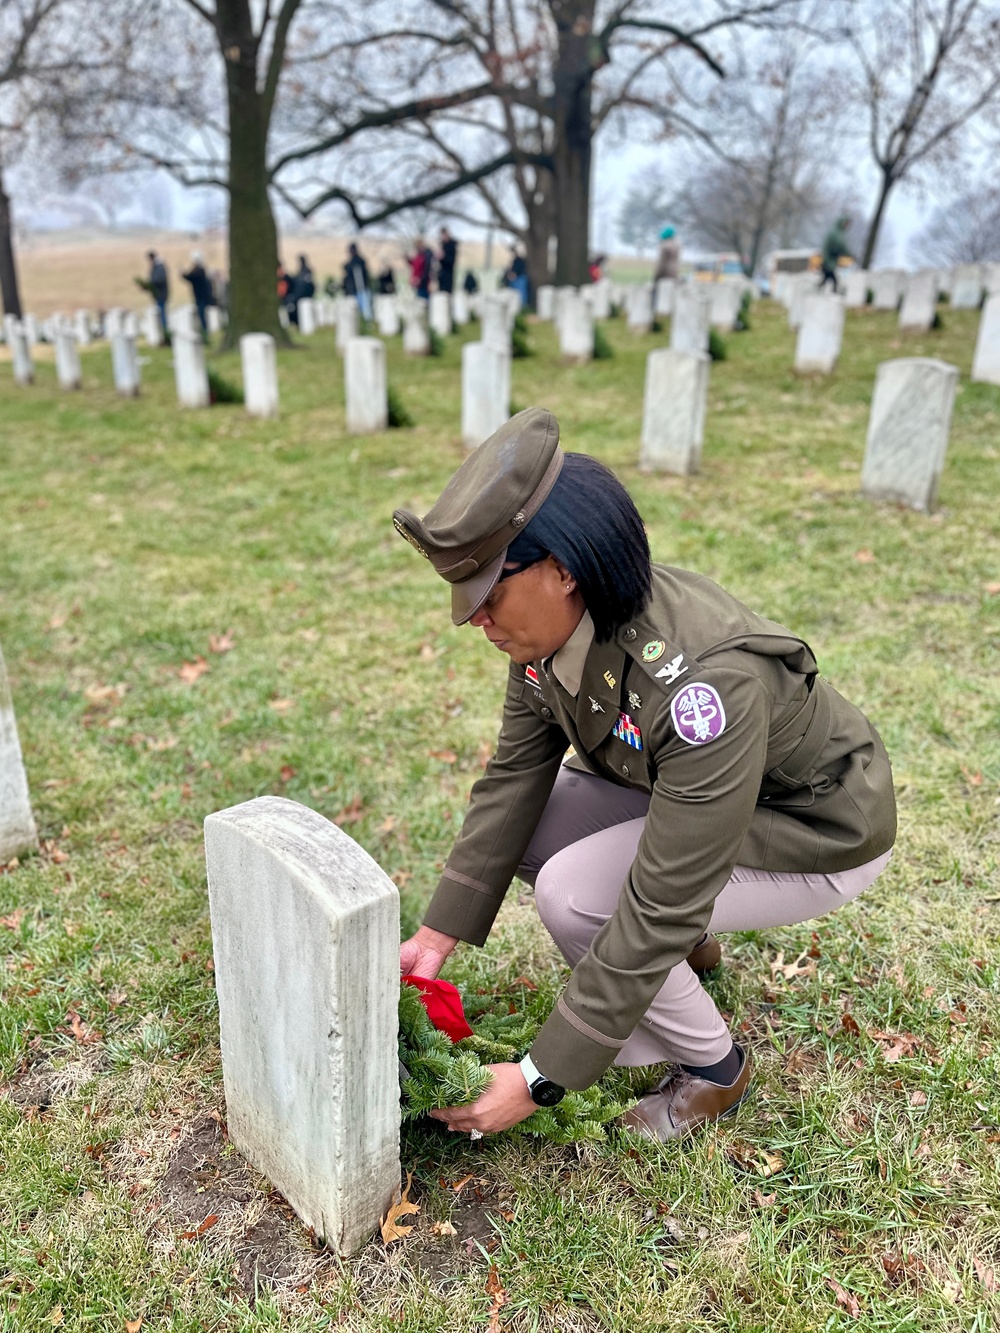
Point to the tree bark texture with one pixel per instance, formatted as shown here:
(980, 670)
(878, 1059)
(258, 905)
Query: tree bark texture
(253, 238)
(9, 289)
(875, 226)
(576, 62)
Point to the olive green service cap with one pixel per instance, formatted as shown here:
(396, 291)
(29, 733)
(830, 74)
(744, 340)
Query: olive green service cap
(497, 490)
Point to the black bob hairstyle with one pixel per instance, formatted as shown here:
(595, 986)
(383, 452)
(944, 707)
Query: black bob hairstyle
(589, 523)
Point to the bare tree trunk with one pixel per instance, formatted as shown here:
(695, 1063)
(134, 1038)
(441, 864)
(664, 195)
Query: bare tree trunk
(539, 205)
(253, 238)
(8, 265)
(573, 134)
(876, 223)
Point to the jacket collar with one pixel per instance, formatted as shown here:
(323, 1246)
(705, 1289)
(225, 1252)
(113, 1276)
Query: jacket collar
(568, 663)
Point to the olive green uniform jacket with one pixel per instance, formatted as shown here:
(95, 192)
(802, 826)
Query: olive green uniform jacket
(774, 771)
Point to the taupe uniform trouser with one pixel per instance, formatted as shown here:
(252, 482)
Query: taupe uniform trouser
(577, 860)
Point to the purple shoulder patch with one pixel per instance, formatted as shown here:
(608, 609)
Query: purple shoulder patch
(698, 714)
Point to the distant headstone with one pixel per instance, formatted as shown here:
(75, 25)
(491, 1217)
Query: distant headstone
(67, 358)
(181, 319)
(512, 299)
(32, 333)
(439, 314)
(598, 295)
(781, 287)
(986, 362)
(919, 301)
(213, 319)
(151, 327)
(545, 302)
(887, 288)
(113, 321)
(673, 413)
(727, 298)
(17, 824)
(563, 294)
(305, 941)
(801, 286)
(386, 311)
(20, 351)
(820, 334)
(495, 320)
(81, 326)
(908, 430)
(991, 278)
(125, 364)
(967, 286)
(460, 307)
(189, 370)
(576, 328)
(485, 392)
(663, 297)
(639, 308)
(856, 282)
(689, 325)
(260, 374)
(347, 322)
(130, 325)
(416, 338)
(366, 386)
(306, 311)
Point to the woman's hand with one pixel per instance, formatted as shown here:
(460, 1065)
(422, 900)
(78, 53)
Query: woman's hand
(504, 1103)
(424, 954)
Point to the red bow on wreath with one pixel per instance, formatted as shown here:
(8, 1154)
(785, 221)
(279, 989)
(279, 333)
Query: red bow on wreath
(443, 1004)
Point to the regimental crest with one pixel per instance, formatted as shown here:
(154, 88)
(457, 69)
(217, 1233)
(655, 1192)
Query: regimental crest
(626, 730)
(531, 676)
(698, 714)
(652, 650)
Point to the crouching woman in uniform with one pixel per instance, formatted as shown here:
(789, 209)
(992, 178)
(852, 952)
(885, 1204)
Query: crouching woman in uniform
(718, 782)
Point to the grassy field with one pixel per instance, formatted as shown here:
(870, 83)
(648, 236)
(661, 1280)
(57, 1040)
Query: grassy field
(199, 608)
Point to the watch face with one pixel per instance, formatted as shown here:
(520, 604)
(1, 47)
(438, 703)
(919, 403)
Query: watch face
(546, 1093)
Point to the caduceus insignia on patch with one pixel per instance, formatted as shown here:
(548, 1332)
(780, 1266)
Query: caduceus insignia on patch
(698, 714)
(626, 730)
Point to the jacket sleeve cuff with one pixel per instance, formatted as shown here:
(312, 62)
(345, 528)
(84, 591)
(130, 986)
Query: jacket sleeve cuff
(463, 911)
(570, 1052)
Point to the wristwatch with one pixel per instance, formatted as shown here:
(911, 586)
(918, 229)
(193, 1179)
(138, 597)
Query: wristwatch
(543, 1091)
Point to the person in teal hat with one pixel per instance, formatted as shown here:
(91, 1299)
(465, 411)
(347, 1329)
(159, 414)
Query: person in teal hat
(668, 264)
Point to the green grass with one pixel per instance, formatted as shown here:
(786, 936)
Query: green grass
(132, 532)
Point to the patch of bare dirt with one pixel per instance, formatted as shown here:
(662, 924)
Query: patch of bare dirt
(441, 1256)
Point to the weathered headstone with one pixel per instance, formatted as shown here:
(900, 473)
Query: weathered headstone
(801, 286)
(986, 362)
(17, 824)
(190, 375)
(908, 430)
(386, 310)
(306, 311)
(365, 386)
(347, 322)
(820, 334)
(663, 298)
(495, 320)
(545, 302)
(690, 322)
(305, 941)
(919, 301)
(727, 298)
(576, 328)
(439, 315)
(416, 338)
(260, 374)
(67, 358)
(485, 392)
(856, 282)
(673, 411)
(151, 327)
(887, 288)
(967, 286)
(125, 365)
(20, 351)
(639, 309)
(81, 326)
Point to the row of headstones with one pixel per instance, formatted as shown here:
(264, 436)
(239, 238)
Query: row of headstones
(88, 327)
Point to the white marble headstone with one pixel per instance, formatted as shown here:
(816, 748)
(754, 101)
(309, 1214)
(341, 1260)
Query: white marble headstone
(673, 412)
(259, 361)
(967, 286)
(856, 282)
(485, 392)
(347, 321)
(460, 307)
(81, 325)
(908, 430)
(689, 324)
(887, 288)
(576, 327)
(495, 323)
(151, 327)
(545, 302)
(416, 338)
(125, 364)
(663, 297)
(986, 362)
(440, 313)
(919, 301)
(727, 298)
(820, 335)
(20, 351)
(305, 309)
(305, 935)
(190, 374)
(599, 298)
(67, 357)
(639, 309)
(17, 824)
(366, 392)
(386, 310)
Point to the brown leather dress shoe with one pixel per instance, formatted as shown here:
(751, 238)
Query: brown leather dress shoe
(683, 1102)
(705, 957)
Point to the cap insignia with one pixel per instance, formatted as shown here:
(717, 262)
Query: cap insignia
(409, 537)
(652, 650)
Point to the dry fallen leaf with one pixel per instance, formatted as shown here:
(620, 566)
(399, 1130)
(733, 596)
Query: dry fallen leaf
(918, 1098)
(845, 1299)
(773, 1161)
(991, 589)
(56, 1316)
(445, 756)
(865, 557)
(105, 694)
(84, 1034)
(14, 920)
(496, 1293)
(221, 643)
(898, 1044)
(209, 1221)
(987, 1276)
(764, 1200)
(350, 813)
(282, 705)
(389, 1225)
(190, 671)
(287, 772)
(850, 1024)
(133, 1325)
(790, 970)
(444, 1229)
(427, 653)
